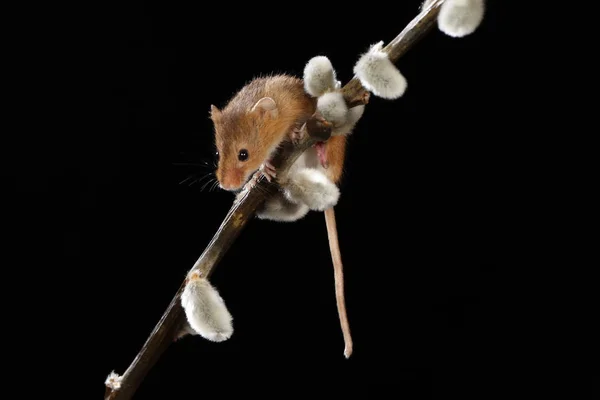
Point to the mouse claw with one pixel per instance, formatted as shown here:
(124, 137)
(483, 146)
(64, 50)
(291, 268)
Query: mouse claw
(296, 135)
(268, 170)
(252, 182)
(319, 117)
(366, 97)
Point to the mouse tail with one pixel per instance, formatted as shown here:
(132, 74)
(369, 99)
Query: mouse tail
(338, 271)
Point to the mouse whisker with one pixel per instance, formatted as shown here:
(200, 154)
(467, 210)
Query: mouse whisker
(208, 175)
(205, 184)
(187, 179)
(208, 163)
(195, 181)
(212, 180)
(205, 165)
(214, 186)
(195, 178)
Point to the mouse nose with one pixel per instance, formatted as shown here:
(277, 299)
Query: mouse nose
(228, 183)
(230, 178)
(224, 185)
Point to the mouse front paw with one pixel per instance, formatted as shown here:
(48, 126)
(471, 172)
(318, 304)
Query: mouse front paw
(268, 170)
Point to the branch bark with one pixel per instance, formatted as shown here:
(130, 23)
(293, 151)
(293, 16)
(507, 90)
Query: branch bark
(243, 209)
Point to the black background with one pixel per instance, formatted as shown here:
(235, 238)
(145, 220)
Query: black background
(426, 219)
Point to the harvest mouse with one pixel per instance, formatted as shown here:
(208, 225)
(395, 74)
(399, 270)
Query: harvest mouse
(250, 129)
(257, 120)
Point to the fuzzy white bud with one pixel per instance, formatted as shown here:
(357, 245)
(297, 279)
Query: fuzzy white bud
(319, 76)
(332, 107)
(379, 75)
(458, 18)
(205, 309)
(313, 188)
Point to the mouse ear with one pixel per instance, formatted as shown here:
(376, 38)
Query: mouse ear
(215, 113)
(265, 106)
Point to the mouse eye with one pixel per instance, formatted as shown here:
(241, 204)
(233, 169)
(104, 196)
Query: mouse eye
(217, 153)
(243, 155)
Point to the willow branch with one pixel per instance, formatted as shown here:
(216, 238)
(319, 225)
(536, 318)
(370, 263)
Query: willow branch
(414, 31)
(244, 208)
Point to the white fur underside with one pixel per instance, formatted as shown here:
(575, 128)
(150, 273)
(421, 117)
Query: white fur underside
(206, 311)
(379, 75)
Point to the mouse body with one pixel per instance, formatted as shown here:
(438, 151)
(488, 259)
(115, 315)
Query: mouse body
(263, 115)
(251, 127)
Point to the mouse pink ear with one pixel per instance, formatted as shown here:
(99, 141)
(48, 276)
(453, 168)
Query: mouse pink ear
(265, 106)
(215, 113)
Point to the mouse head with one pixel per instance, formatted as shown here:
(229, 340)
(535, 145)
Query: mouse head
(242, 140)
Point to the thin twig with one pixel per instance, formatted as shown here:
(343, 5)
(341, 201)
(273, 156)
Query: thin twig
(243, 209)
